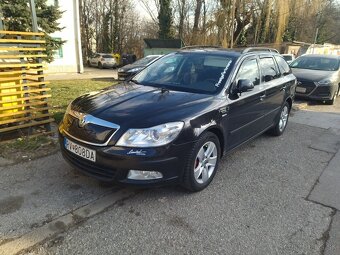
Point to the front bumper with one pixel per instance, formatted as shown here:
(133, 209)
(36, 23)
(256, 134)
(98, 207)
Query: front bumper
(113, 163)
(316, 92)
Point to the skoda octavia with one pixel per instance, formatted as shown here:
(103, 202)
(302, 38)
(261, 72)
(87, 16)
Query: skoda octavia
(172, 122)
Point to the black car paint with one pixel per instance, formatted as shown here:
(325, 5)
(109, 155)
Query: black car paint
(234, 121)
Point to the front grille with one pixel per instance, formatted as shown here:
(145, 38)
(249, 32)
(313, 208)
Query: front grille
(90, 132)
(308, 85)
(324, 91)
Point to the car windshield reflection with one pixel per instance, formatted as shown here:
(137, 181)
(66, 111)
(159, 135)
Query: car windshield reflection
(199, 73)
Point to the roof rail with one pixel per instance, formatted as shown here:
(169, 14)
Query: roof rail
(252, 49)
(200, 47)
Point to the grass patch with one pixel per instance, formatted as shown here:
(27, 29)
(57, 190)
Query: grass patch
(63, 92)
(27, 148)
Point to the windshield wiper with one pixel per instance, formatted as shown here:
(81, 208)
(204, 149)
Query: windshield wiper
(134, 81)
(163, 90)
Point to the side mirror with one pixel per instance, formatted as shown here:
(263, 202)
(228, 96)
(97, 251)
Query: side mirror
(268, 78)
(244, 85)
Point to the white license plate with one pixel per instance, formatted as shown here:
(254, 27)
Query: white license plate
(79, 150)
(300, 90)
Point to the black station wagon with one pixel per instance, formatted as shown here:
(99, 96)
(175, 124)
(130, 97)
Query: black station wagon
(173, 121)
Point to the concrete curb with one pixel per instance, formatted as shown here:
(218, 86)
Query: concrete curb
(63, 223)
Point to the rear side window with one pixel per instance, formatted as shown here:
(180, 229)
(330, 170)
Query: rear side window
(249, 70)
(283, 66)
(268, 69)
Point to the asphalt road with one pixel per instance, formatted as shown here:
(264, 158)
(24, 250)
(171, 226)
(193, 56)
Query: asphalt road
(257, 204)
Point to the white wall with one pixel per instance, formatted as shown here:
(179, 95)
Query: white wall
(70, 61)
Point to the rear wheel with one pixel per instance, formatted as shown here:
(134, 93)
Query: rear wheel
(202, 163)
(281, 124)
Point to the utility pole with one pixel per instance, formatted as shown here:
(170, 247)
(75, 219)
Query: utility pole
(34, 16)
(1, 21)
(232, 24)
(315, 39)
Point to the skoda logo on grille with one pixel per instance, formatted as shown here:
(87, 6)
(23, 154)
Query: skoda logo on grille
(82, 121)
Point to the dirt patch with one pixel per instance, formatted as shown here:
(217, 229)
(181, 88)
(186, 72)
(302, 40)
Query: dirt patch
(26, 149)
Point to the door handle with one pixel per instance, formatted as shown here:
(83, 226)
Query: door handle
(262, 97)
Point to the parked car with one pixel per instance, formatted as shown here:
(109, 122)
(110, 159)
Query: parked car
(288, 57)
(318, 77)
(174, 120)
(131, 69)
(102, 60)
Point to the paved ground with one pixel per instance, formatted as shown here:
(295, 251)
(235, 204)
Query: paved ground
(258, 203)
(89, 73)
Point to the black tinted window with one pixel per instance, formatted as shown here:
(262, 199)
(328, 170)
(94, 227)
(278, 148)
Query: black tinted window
(283, 66)
(268, 69)
(249, 70)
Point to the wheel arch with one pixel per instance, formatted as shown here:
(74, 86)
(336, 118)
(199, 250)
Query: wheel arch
(289, 100)
(219, 133)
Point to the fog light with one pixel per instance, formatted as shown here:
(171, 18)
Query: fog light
(144, 175)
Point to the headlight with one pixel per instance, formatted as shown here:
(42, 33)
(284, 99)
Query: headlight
(137, 69)
(327, 81)
(120, 70)
(151, 137)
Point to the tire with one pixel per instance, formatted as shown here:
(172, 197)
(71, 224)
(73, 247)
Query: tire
(88, 63)
(100, 65)
(282, 121)
(197, 176)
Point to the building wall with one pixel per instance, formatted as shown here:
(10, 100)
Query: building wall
(68, 58)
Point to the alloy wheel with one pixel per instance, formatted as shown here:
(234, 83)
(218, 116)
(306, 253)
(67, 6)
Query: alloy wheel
(283, 118)
(205, 162)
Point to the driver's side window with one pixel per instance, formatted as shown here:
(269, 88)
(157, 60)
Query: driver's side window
(249, 70)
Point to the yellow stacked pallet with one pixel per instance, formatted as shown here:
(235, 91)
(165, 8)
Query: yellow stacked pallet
(9, 96)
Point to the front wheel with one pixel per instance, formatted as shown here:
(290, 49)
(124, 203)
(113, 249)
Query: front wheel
(202, 163)
(281, 124)
(332, 101)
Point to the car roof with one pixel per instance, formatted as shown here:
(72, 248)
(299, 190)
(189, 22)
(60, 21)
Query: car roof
(149, 56)
(321, 56)
(236, 52)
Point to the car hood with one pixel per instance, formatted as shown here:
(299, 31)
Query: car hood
(141, 106)
(311, 75)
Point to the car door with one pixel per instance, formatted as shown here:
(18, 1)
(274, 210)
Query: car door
(274, 84)
(245, 110)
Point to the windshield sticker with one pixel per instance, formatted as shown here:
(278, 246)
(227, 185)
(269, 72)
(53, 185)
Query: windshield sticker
(223, 75)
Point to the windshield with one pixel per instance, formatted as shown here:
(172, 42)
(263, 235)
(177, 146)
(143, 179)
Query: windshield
(145, 61)
(287, 58)
(107, 56)
(316, 63)
(187, 71)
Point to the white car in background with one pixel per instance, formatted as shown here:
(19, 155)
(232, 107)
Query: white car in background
(288, 57)
(103, 60)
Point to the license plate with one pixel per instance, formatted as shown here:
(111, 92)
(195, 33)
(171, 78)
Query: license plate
(300, 90)
(80, 150)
